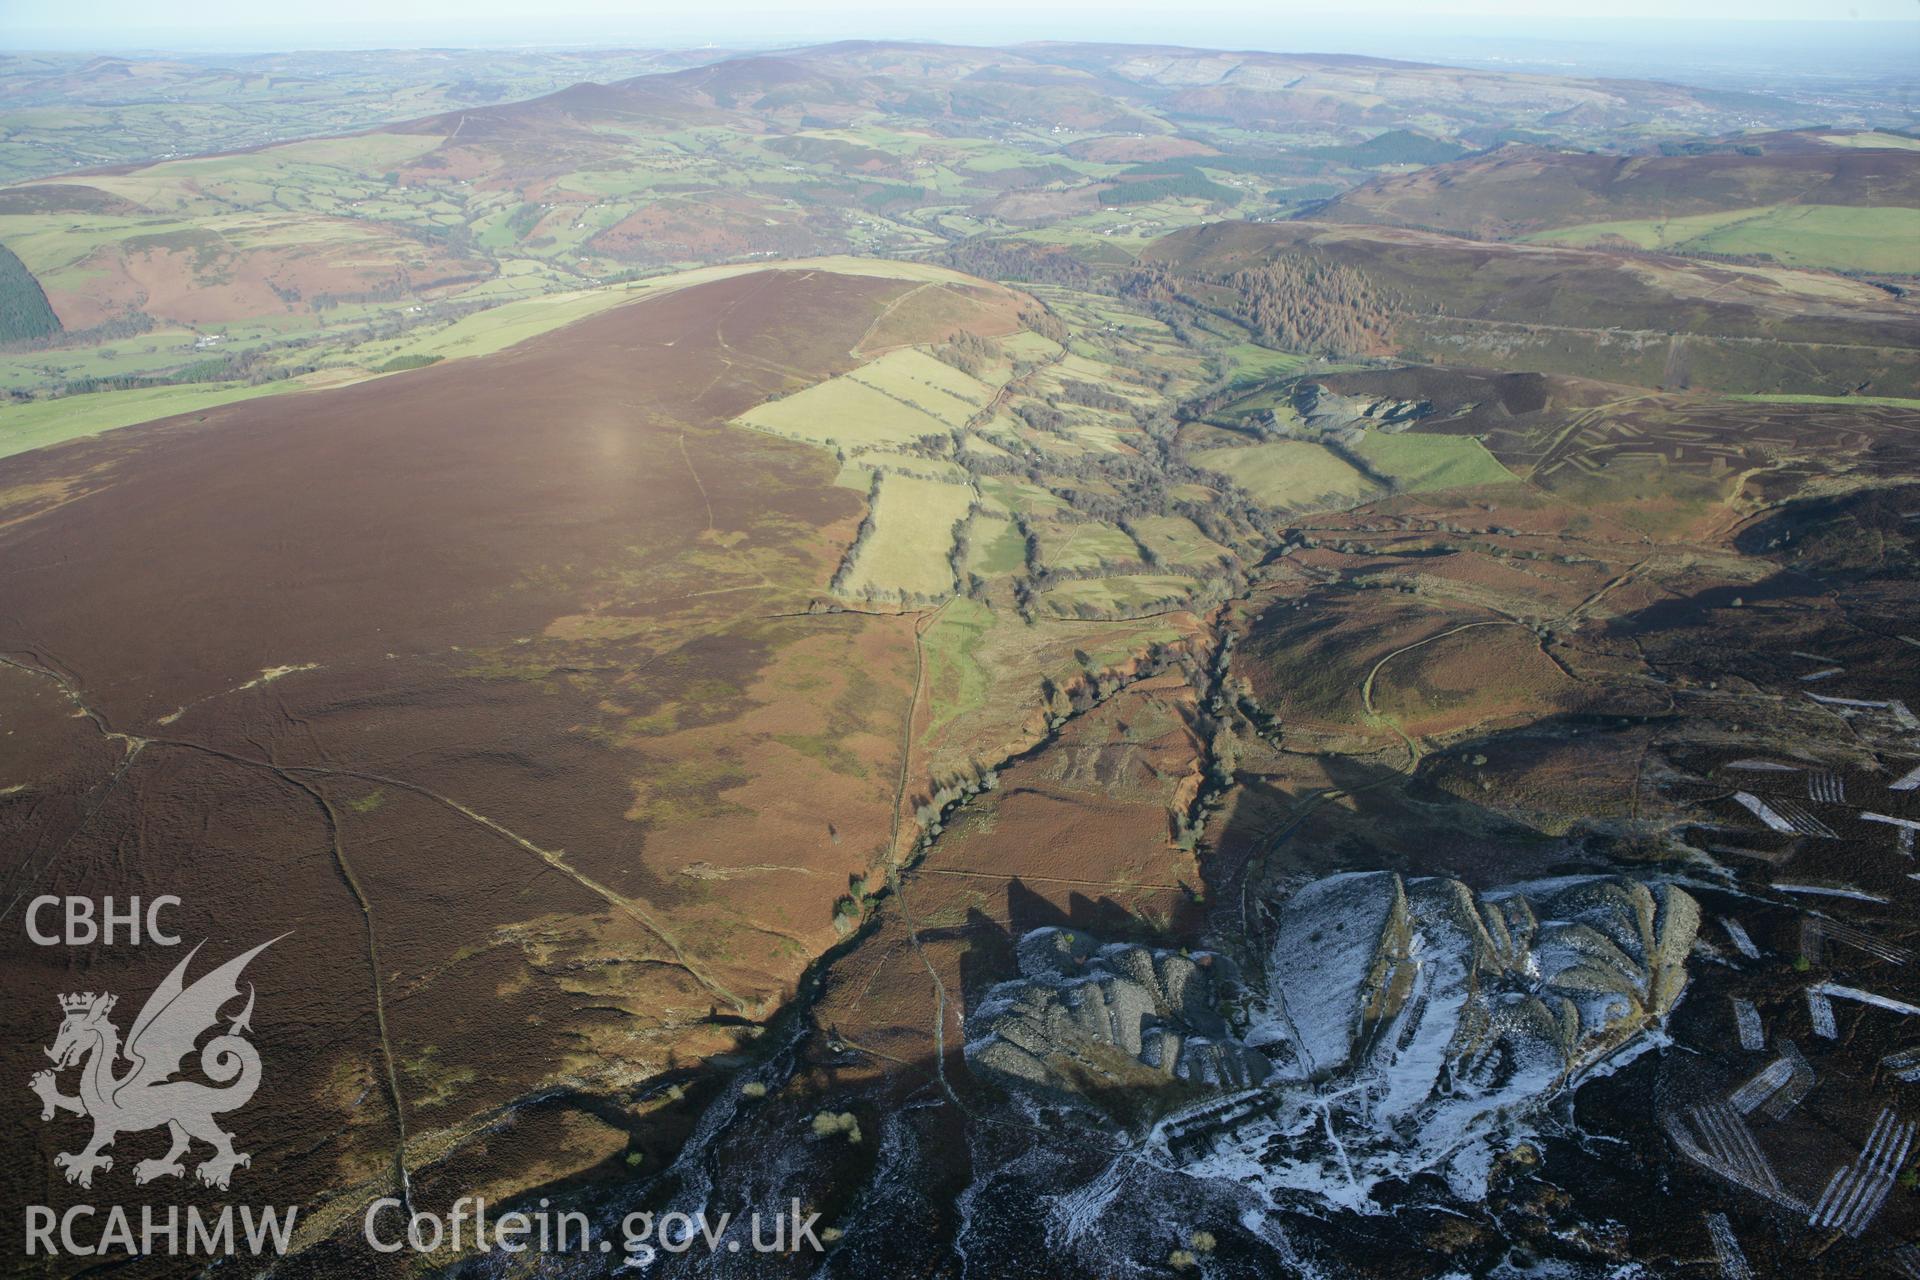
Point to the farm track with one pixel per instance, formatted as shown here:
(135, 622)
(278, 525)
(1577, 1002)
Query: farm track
(1528, 326)
(705, 501)
(897, 873)
(387, 1055)
(554, 859)
(1311, 802)
(859, 349)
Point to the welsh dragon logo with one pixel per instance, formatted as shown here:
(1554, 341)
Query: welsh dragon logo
(145, 1095)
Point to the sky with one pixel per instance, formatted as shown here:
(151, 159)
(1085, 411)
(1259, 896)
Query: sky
(110, 21)
(1400, 26)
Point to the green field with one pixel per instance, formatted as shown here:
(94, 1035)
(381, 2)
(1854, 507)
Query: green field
(857, 472)
(1895, 141)
(1126, 594)
(1290, 475)
(1007, 493)
(1249, 363)
(1839, 237)
(514, 322)
(843, 414)
(1176, 540)
(995, 547)
(1085, 544)
(1898, 402)
(957, 683)
(917, 380)
(903, 396)
(1432, 462)
(45, 422)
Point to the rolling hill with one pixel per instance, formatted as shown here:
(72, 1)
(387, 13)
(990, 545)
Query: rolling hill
(1647, 320)
(1846, 201)
(292, 249)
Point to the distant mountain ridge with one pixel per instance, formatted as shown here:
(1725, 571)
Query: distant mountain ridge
(1520, 189)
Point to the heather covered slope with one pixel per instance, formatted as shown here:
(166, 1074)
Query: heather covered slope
(1848, 201)
(1519, 189)
(1390, 748)
(1645, 320)
(497, 684)
(567, 702)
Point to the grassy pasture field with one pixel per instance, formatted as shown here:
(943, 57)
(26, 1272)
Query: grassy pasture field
(498, 328)
(1250, 363)
(153, 352)
(323, 169)
(1016, 495)
(1897, 141)
(903, 396)
(1028, 345)
(1085, 544)
(846, 414)
(982, 664)
(957, 683)
(932, 386)
(1176, 540)
(1896, 402)
(995, 546)
(1839, 237)
(857, 471)
(906, 553)
(1292, 475)
(47, 422)
(1130, 593)
(1432, 462)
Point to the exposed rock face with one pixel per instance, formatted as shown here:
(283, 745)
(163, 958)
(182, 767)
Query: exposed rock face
(1369, 970)
(1404, 1024)
(1419, 1018)
(1330, 413)
(1083, 1015)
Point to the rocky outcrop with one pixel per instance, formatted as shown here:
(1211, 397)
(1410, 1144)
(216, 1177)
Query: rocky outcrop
(1083, 1016)
(1368, 969)
(1406, 1025)
(1327, 412)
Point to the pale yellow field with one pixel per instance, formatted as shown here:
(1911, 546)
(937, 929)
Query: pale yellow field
(903, 396)
(912, 538)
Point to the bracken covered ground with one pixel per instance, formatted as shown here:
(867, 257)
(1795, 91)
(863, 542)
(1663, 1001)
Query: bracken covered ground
(493, 684)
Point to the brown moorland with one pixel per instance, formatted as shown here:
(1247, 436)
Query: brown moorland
(1644, 319)
(494, 685)
(1519, 189)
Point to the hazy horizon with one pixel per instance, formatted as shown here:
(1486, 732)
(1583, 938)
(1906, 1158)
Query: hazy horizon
(1876, 31)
